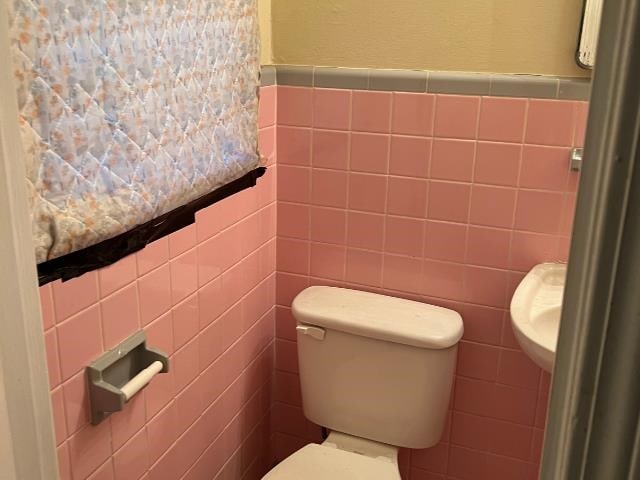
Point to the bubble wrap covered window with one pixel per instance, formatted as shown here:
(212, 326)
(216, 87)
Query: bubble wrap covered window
(130, 109)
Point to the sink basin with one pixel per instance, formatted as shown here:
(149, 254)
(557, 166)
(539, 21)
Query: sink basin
(535, 312)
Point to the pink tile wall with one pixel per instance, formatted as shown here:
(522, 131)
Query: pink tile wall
(205, 295)
(441, 198)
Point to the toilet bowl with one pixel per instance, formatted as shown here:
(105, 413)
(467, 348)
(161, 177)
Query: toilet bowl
(376, 371)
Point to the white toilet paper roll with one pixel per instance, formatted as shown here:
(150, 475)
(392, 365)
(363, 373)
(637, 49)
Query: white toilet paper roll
(136, 384)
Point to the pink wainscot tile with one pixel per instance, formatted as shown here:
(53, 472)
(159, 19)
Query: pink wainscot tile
(369, 152)
(502, 119)
(327, 261)
(329, 188)
(367, 192)
(64, 463)
(267, 144)
(445, 241)
(413, 113)
(582, 113)
(185, 365)
(104, 472)
(74, 295)
(53, 358)
(120, 316)
(550, 122)
(433, 459)
(404, 236)
(497, 163)
(328, 225)
(443, 280)
(506, 467)
(466, 464)
(295, 106)
(488, 247)
(294, 146)
(486, 286)
(452, 160)
(288, 287)
(293, 220)
(371, 111)
(511, 440)
(402, 273)
(568, 214)
(76, 402)
(409, 156)
(514, 404)
(470, 430)
(182, 240)
(472, 396)
(184, 276)
(539, 211)
(152, 256)
(481, 324)
(365, 230)
(544, 168)
(154, 291)
(518, 370)
(456, 116)
(117, 275)
(530, 249)
(162, 431)
(127, 422)
(449, 201)
(132, 460)
(492, 206)
(89, 448)
(407, 197)
(160, 333)
(331, 108)
(478, 361)
(293, 256)
(59, 418)
(46, 306)
(364, 267)
(159, 393)
(267, 106)
(79, 341)
(330, 149)
(185, 321)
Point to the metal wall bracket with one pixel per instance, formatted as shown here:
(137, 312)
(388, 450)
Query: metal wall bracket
(576, 159)
(115, 369)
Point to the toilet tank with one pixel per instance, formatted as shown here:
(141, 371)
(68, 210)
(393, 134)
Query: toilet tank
(374, 366)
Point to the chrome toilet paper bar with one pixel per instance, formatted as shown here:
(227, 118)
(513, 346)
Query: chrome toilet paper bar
(118, 375)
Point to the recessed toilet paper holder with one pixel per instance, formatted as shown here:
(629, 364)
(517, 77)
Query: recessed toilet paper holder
(119, 374)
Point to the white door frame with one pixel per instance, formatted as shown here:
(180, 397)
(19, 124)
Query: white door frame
(27, 445)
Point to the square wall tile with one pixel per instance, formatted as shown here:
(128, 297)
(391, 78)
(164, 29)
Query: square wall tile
(294, 183)
(331, 109)
(550, 122)
(443, 280)
(488, 247)
(116, 276)
(545, 168)
(456, 116)
(295, 106)
(485, 286)
(449, 201)
(413, 113)
(371, 111)
(293, 220)
(369, 152)
(497, 163)
(120, 316)
(154, 291)
(445, 241)
(328, 261)
(410, 156)
(407, 197)
(267, 106)
(502, 119)
(404, 236)
(365, 230)
(367, 192)
(292, 256)
(364, 267)
(294, 146)
(492, 206)
(79, 341)
(539, 211)
(452, 160)
(530, 249)
(328, 225)
(330, 149)
(402, 273)
(329, 188)
(74, 295)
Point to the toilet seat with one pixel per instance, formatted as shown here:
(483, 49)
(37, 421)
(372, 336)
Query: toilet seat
(323, 462)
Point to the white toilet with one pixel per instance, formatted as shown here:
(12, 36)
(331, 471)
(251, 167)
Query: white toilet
(377, 372)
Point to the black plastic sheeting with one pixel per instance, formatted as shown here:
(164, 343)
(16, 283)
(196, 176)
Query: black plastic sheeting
(110, 251)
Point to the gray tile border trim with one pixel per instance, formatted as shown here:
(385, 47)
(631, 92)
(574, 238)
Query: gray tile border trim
(460, 83)
(267, 76)
(294, 75)
(398, 80)
(351, 78)
(529, 86)
(574, 89)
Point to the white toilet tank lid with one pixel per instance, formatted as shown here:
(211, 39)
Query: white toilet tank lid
(378, 316)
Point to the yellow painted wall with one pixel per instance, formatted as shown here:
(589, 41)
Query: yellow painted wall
(506, 36)
(264, 12)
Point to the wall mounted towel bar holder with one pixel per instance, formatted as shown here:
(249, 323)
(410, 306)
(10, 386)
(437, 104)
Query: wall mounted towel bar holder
(119, 374)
